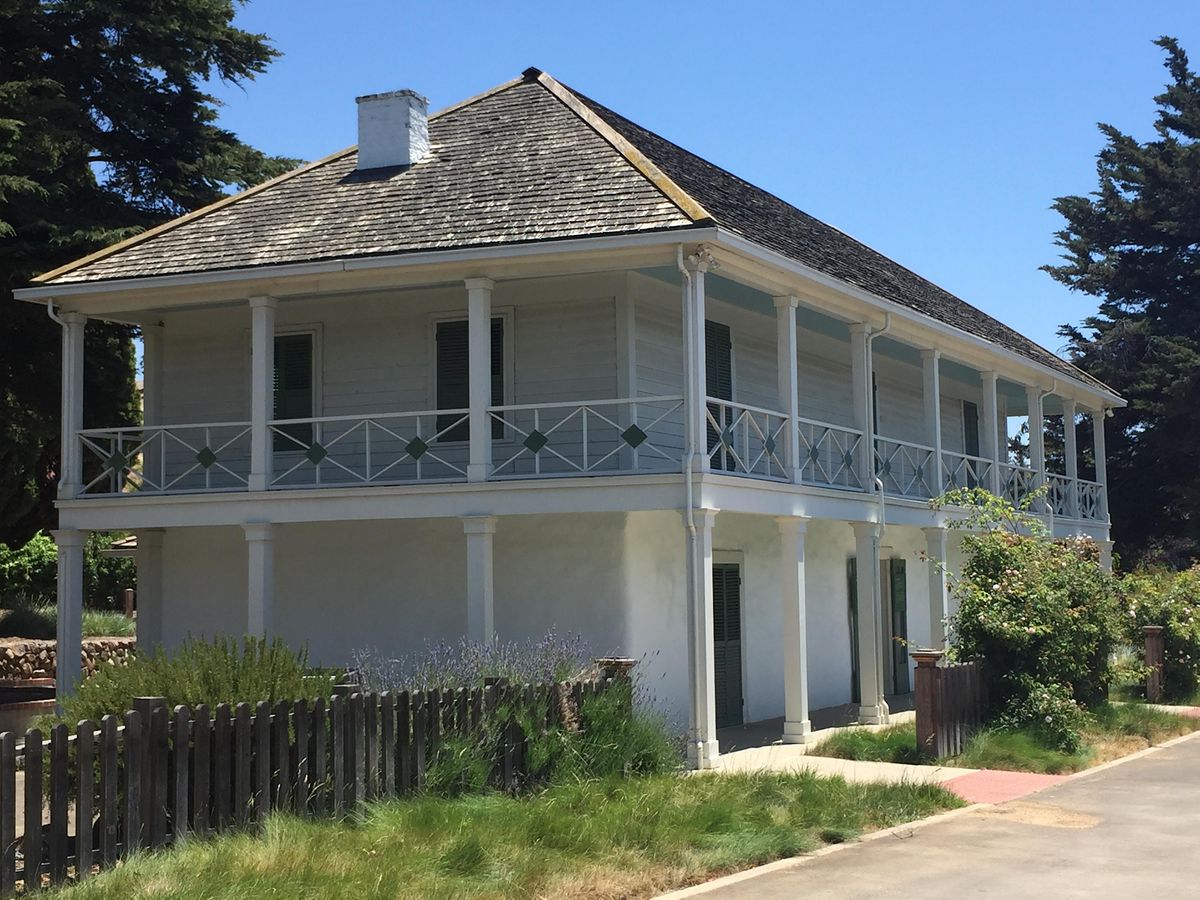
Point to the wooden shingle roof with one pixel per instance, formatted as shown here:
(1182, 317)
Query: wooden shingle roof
(531, 160)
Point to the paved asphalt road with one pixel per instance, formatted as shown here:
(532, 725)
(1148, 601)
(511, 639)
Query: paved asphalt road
(1132, 830)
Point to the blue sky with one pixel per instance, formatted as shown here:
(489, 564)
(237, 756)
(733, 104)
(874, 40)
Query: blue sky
(938, 133)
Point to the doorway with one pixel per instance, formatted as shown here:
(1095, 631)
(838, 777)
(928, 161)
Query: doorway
(893, 584)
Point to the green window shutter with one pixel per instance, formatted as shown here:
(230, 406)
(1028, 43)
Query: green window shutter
(970, 414)
(293, 388)
(453, 375)
(718, 360)
(852, 589)
(899, 573)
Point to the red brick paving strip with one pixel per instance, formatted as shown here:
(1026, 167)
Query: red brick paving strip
(995, 786)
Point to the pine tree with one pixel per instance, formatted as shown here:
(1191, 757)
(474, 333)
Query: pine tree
(105, 130)
(1135, 244)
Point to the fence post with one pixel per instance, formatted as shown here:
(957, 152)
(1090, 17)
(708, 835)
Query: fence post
(928, 699)
(1155, 647)
(148, 798)
(128, 597)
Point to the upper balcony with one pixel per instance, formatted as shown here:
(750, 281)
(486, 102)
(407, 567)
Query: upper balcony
(597, 374)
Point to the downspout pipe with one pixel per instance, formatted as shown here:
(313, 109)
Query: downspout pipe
(54, 317)
(689, 446)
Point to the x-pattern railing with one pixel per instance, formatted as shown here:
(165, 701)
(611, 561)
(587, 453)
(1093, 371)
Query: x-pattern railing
(1090, 499)
(376, 447)
(746, 440)
(588, 437)
(904, 468)
(828, 454)
(158, 458)
(961, 470)
(1016, 482)
(1060, 493)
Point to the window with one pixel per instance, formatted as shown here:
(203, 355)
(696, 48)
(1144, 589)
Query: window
(970, 418)
(453, 376)
(294, 389)
(718, 373)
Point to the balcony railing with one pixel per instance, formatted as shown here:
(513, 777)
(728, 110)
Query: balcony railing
(747, 440)
(394, 448)
(960, 470)
(166, 459)
(906, 469)
(545, 440)
(593, 437)
(829, 455)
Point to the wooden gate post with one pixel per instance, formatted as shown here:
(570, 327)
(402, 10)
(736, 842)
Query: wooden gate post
(1155, 648)
(928, 700)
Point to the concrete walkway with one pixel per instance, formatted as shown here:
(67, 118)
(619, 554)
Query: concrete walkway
(1127, 828)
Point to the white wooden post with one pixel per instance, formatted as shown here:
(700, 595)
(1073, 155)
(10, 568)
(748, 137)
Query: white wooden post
(702, 747)
(1037, 442)
(787, 357)
(796, 725)
(481, 623)
(697, 385)
(260, 594)
(148, 560)
(152, 368)
(939, 595)
(1098, 452)
(71, 480)
(69, 649)
(872, 709)
(862, 402)
(932, 371)
(991, 446)
(479, 373)
(262, 389)
(1071, 457)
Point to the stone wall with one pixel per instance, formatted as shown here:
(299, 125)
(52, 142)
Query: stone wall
(23, 659)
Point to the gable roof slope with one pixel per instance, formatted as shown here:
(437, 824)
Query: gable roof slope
(530, 160)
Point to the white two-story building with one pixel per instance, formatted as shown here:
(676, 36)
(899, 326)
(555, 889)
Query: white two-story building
(524, 364)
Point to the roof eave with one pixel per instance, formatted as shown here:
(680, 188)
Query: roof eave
(732, 240)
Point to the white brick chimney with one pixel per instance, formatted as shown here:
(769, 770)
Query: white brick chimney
(393, 129)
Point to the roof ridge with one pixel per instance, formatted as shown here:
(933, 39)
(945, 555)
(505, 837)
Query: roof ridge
(686, 203)
(170, 224)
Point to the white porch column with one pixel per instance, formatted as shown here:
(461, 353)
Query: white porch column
(939, 595)
(862, 402)
(702, 747)
(1098, 451)
(1071, 456)
(481, 625)
(69, 649)
(148, 560)
(931, 364)
(872, 709)
(152, 367)
(262, 389)
(1037, 442)
(991, 444)
(694, 350)
(260, 594)
(479, 373)
(70, 482)
(787, 357)
(796, 726)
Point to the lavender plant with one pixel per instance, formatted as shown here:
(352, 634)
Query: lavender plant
(466, 663)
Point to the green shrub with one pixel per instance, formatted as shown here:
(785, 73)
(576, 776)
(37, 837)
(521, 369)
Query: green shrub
(1172, 600)
(897, 744)
(1040, 613)
(217, 671)
(37, 621)
(28, 574)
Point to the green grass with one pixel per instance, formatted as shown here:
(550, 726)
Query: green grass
(1018, 751)
(896, 743)
(614, 838)
(41, 621)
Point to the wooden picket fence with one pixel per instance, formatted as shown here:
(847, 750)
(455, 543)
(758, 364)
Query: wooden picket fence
(950, 703)
(157, 776)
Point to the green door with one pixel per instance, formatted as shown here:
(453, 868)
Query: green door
(899, 638)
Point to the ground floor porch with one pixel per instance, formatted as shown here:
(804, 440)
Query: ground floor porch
(732, 617)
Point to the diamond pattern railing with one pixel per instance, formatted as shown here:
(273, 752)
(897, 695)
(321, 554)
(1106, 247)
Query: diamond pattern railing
(393, 448)
(589, 437)
(960, 470)
(1016, 483)
(1060, 495)
(747, 440)
(906, 469)
(162, 459)
(829, 455)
